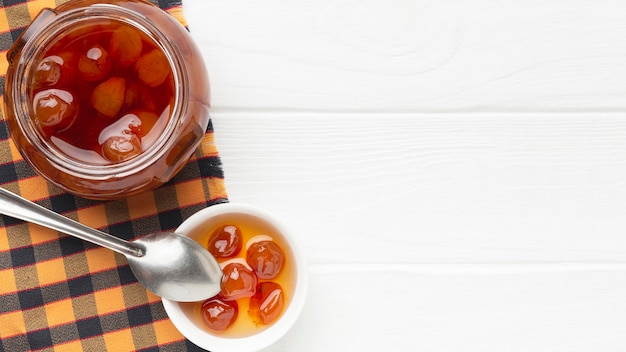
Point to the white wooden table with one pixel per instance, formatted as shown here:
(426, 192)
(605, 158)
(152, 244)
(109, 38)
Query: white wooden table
(455, 170)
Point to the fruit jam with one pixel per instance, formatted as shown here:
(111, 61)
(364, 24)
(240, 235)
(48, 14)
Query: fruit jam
(253, 231)
(106, 98)
(103, 92)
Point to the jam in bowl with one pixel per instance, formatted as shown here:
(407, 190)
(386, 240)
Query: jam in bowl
(106, 99)
(264, 281)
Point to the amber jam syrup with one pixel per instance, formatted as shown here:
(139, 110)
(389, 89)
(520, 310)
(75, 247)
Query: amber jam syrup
(84, 138)
(252, 229)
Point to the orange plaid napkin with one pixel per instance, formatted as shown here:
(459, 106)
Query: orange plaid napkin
(59, 293)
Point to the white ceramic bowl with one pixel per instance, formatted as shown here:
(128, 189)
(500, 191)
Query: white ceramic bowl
(188, 322)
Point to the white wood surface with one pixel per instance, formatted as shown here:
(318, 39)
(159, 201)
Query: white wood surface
(455, 170)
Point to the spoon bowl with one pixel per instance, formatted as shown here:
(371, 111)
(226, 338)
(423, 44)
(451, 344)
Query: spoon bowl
(175, 265)
(170, 265)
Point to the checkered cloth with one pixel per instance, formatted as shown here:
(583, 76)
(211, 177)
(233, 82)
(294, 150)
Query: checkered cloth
(59, 293)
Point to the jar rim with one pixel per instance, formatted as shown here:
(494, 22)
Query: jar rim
(43, 36)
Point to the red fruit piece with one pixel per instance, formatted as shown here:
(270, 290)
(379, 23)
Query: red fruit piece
(141, 121)
(266, 258)
(238, 282)
(94, 64)
(125, 46)
(108, 97)
(55, 108)
(267, 304)
(55, 70)
(153, 68)
(225, 241)
(48, 71)
(120, 148)
(218, 314)
(118, 141)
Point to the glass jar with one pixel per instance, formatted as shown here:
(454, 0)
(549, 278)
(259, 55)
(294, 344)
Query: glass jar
(76, 154)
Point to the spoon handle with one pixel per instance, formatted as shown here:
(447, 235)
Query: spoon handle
(17, 207)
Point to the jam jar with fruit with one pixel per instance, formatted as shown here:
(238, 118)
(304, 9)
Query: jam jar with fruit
(106, 98)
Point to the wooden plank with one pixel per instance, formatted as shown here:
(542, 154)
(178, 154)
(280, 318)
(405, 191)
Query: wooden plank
(435, 188)
(459, 309)
(407, 55)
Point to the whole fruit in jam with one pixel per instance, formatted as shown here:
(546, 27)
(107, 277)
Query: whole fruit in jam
(238, 281)
(266, 258)
(226, 241)
(267, 303)
(218, 314)
(55, 108)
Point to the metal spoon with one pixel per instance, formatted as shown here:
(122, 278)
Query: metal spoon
(171, 265)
